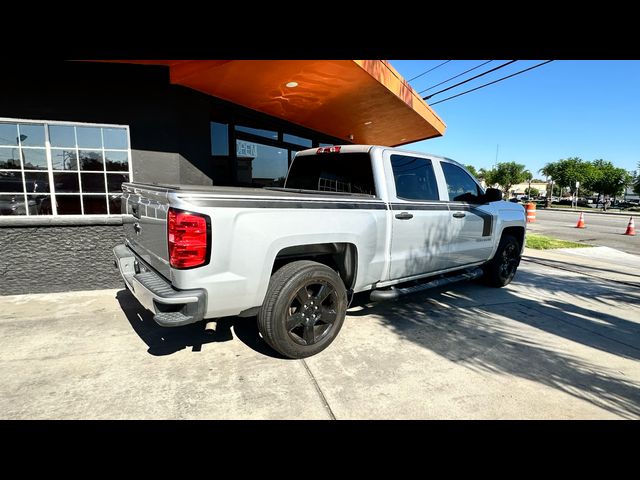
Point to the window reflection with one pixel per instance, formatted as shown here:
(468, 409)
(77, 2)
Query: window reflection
(115, 138)
(89, 137)
(34, 158)
(86, 162)
(68, 204)
(10, 157)
(94, 204)
(64, 159)
(62, 136)
(261, 165)
(118, 161)
(91, 160)
(36, 182)
(12, 205)
(92, 182)
(11, 182)
(31, 135)
(66, 182)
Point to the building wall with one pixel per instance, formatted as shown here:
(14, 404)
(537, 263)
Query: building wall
(41, 259)
(169, 124)
(170, 134)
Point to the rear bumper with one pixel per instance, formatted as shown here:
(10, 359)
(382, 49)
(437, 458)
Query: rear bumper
(171, 307)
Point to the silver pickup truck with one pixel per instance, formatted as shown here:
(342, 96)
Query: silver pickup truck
(348, 219)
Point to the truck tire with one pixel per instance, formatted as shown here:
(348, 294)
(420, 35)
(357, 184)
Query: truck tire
(303, 310)
(500, 270)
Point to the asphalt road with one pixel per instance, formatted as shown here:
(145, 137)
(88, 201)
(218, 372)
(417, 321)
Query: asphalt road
(601, 229)
(554, 344)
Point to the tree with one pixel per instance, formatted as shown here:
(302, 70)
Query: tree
(472, 170)
(533, 193)
(636, 185)
(506, 174)
(567, 171)
(606, 179)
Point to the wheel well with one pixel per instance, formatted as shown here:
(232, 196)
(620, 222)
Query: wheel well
(341, 257)
(516, 232)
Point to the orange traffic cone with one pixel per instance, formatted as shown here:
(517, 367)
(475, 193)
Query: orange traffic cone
(631, 229)
(581, 221)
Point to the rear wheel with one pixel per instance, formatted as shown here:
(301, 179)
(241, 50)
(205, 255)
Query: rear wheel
(500, 270)
(303, 310)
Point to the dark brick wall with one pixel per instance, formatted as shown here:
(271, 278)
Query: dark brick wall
(58, 258)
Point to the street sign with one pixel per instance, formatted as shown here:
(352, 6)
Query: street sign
(577, 184)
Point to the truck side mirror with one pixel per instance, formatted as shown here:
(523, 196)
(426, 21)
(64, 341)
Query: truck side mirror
(492, 195)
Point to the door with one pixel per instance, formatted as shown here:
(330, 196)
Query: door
(471, 224)
(419, 242)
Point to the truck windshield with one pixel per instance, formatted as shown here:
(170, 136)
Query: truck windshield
(332, 172)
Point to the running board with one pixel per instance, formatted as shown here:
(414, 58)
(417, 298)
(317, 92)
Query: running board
(393, 293)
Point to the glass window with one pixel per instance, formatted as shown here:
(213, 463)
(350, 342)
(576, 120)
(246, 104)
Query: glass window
(219, 139)
(10, 157)
(115, 204)
(9, 134)
(12, 205)
(39, 204)
(87, 169)
(333, 172)
(325, 144)
(89, 137)
(31, 135)
(460, 185)
(261, 165)
(94, 204)
(64, 159)
(66, 182)
(68, 204)
(34, 158)
(414, 178)
(305, 142)
(90, 160)
(117, 161)
(115, 138)
(92, 182)
(62, 136)
(11, 182)
(36, 182)
(115, 181)
(258, 131)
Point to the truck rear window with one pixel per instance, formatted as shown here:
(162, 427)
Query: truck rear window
(332, 172)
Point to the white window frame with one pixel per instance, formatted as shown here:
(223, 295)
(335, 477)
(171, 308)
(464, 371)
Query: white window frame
(52, 193)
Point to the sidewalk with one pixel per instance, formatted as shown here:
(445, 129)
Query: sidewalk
(602, 262)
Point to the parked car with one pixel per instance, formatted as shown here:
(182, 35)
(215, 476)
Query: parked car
(295, 255)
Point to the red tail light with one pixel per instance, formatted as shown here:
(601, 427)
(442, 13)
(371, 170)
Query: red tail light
(333, 149)
(189, 236)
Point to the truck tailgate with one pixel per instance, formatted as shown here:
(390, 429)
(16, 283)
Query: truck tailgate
(146, 228)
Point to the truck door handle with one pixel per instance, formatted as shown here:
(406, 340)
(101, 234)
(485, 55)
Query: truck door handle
(404, 216)
(459, 215)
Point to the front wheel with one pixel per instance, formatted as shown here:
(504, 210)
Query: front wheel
(303, 310)
(500, 270)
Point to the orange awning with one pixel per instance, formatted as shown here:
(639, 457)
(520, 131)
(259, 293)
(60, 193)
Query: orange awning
(365, 99)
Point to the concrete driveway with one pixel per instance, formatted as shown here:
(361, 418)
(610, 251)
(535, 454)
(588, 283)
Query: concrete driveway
(554, 344)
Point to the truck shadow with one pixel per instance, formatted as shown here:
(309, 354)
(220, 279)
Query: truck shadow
(167, 341)
(522, 331)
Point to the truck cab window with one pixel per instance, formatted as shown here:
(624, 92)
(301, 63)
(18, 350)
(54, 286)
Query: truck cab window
(414, 178)
(461, 186)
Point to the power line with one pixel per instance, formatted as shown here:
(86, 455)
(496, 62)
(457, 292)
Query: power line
(452, 78)
(468, 80)
(491, 83)
(430, 70)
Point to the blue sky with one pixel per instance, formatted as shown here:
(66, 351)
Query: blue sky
(589, 109)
